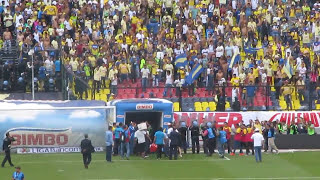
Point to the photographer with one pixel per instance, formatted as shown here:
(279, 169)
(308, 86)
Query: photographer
(6, 148)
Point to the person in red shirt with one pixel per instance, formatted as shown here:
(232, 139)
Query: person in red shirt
(227, 129)
(243, 141)
(237, 140)
(249, 141)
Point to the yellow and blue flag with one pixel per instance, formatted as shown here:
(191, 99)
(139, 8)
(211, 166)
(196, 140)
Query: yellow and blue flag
(287, 69)
(251, 50)
(181, 60)
(234, 60)
(194, 74)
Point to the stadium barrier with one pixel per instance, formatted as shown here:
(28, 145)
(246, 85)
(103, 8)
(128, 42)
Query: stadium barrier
(301, 141)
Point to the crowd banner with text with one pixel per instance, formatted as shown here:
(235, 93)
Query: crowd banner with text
(236, 117)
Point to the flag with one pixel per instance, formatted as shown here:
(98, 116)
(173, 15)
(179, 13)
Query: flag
(181, 60)
(287, 69)
(234, 60)
(251, 50)
(194, 74)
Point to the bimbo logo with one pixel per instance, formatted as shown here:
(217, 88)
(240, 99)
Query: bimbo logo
(32, 137)
(144, 106)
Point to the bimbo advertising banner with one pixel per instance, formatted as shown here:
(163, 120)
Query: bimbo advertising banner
(236, 117)
(52, 127)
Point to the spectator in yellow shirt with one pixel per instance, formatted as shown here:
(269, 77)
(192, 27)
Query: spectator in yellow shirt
(235, 81)
(124, 71)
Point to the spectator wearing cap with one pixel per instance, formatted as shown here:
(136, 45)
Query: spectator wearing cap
(18, 174)
(258, 142)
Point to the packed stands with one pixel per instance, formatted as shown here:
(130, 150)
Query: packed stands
(203, 55)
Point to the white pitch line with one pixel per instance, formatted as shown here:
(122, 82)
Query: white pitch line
(145, 160)
(249, 178)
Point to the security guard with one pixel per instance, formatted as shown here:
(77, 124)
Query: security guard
(6, 148)
(195, 137)
(86, 150)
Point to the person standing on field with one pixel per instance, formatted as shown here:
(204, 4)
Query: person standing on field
(109, 143)
(195, 132)
(159, 141)
(175, 140)
(6, 146)
(272, 145)
(222, 141)
(86, 150)
(257, 144)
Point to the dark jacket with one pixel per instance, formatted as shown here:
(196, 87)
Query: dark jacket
(175, 138)
(183, 132)
(6, 143)
(195, 131)
(86, 146)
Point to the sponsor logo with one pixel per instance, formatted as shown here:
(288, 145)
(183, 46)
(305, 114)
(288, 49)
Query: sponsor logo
(39, 137)
(45, 150)
(167, 116)
(120, 116)
(144, 106)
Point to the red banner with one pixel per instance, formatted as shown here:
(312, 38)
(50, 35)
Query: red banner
(236, 117)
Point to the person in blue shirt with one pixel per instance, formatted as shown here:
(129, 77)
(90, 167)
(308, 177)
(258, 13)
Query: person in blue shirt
(250, 94)
(211, 138)
(222, 141)
(125, 141)
(117, 142)
(18, 175)
(57, 65)
(159, 137)
(109, 143)
(132, 129)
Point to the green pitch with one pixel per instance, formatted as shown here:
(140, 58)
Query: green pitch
(298, 165)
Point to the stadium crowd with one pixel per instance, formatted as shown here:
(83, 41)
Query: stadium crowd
(130, 139)
(186, 43)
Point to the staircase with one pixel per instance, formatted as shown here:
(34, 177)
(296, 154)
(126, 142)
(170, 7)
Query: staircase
(13, 56)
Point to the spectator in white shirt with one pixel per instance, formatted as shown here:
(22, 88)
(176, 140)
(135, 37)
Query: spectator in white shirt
(145, 75)
(257, 144)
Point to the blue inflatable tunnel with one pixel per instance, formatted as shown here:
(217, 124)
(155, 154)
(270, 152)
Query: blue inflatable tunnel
(157, 112)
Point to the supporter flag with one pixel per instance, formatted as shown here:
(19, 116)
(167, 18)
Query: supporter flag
(194, 74)
(251, 50)
(287, 69)
(235, 59)
(181, 60)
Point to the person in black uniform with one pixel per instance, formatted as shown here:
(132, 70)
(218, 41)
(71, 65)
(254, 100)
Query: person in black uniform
(6, 148)
(175, 141)
(183, 131)
(195, 132)
(86, 150)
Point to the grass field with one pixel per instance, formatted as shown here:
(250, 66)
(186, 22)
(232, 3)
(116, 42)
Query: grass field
(297, 165)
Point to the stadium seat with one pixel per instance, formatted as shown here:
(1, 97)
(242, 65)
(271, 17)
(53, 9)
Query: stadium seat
(198, 109)
(197, 104)
(204, 105)
(317, 105)
(176, 106)
(212, 106)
